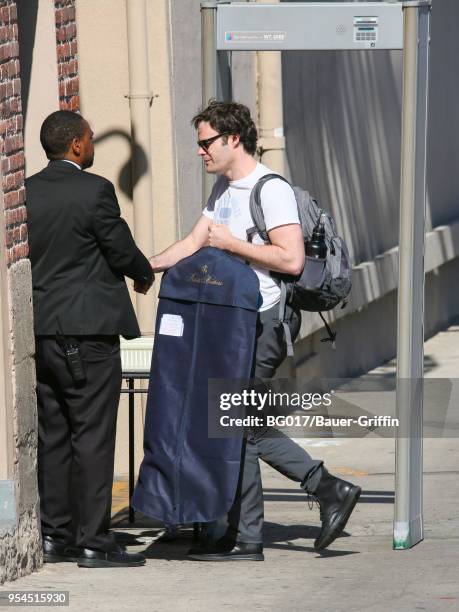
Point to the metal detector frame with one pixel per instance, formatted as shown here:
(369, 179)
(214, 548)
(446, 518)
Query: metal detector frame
(228, 27)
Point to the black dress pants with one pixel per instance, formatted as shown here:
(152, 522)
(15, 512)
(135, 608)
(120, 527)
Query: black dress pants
(76, 446)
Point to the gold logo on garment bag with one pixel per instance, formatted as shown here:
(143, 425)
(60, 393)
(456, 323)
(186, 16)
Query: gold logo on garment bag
(204, 278)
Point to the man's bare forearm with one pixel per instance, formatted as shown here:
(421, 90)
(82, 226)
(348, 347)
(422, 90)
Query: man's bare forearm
(173, 254)
(195, 240)
(285, 253)
(272, 257)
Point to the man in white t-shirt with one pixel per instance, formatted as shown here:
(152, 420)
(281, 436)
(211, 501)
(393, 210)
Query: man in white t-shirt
(227, 139)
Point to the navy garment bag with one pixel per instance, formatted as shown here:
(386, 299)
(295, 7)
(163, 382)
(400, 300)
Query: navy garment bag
(205, 328)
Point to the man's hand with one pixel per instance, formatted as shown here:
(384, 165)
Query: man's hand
(220, 237)
(142, 287)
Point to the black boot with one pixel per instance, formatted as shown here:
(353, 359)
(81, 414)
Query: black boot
(337, 499)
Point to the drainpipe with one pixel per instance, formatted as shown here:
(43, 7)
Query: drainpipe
(271, 140)
(140, 98)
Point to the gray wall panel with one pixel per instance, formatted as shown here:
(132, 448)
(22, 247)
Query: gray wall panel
(342, 124)
(186, 83)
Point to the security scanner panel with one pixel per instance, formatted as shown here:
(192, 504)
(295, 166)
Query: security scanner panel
(320, 26)
(358, 26)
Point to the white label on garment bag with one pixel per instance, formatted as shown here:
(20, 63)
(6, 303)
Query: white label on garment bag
(171, 325)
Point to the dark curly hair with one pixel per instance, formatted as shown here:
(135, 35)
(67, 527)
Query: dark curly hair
(230, 117)
(58, 130)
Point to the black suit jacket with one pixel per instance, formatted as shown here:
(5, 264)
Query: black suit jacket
(80, 250)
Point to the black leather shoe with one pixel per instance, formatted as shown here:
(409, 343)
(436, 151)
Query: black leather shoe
(116, 557)
(58, 551)
(337, 499)
(222, 551)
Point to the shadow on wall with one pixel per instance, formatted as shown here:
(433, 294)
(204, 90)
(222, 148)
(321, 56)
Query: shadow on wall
(126, 179)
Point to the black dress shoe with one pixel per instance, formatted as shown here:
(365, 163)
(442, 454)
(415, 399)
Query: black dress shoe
(337, 499)
(59, 551)
(115, 557)
(224, 551)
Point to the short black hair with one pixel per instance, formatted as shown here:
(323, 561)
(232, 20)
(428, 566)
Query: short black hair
(58, 130)
(232, 118)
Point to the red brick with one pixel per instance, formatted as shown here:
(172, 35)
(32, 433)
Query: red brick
(16, 161)
(61, 34)
(75, 103)
(72, 86)
(9, 183)
(13, 12)
(22, 214)
(9, 144)
(15, 105)
(59, 16)
(14, 181)
(63, 50)
(70, 31)
(17, 87)
(9, 238)
(13, 68)
(5, 51)
(10, 199)
(9, 218)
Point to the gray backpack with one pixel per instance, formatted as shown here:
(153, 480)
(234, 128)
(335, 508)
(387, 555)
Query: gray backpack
(323, 283)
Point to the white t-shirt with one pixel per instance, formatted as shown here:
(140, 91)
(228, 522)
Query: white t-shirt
(232, 208)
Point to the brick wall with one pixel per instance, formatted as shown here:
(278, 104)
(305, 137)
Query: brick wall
(67, 62)
(11, 136)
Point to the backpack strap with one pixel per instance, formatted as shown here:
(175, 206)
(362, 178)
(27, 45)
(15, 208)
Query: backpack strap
(259, 228)
(256, 211)
(331, 334)
(282, 305)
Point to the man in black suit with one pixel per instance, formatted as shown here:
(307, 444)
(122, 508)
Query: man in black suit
(80, 250)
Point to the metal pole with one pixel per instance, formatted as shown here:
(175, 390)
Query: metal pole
(408, 521)
(131, 449)
(209, 73)
(139, 103)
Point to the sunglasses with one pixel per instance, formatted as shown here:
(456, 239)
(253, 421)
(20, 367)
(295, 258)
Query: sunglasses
(205, 144)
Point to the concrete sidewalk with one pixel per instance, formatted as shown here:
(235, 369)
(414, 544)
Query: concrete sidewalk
(360, 571)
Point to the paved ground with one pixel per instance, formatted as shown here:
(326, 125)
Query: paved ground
(359, 572)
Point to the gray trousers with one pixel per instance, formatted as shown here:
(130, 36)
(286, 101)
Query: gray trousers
(245, 518)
